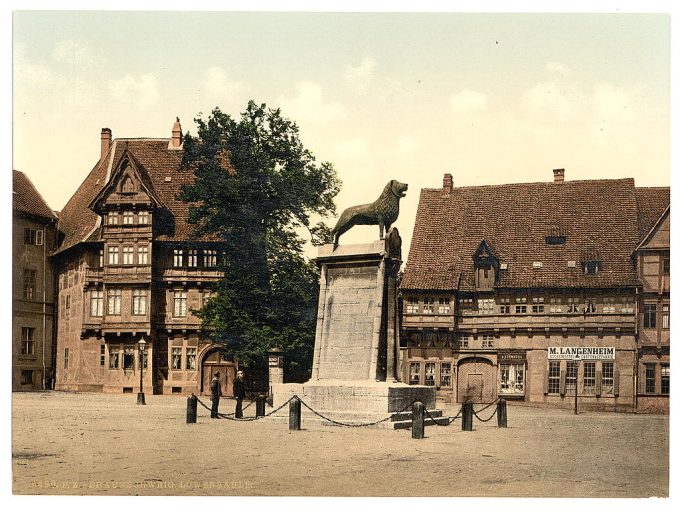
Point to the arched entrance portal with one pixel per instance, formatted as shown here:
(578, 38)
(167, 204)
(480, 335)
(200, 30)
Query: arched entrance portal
(476, 380)
(216, 360)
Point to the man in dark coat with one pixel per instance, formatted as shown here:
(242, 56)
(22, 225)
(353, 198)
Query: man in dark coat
(215, 393)
(239, 394)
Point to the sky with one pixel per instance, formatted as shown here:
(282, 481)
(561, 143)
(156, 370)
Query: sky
(490, 98)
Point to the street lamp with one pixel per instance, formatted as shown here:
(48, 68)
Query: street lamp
(140, 394)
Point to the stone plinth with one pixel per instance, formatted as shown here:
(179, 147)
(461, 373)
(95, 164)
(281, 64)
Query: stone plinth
(355, 371)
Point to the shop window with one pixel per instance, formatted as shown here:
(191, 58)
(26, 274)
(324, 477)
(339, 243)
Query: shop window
(512, 378)
(177, 358)
(665, 379)
(444, 306)
(191, 359)
(428, 305)
(414, 373)
(570, 379)
(607, 377)
(589, 377)
(649, 319)
(650, 378)
(27, 343)
(429, 373)
(26, 377)
(445, 374)
(553, 377)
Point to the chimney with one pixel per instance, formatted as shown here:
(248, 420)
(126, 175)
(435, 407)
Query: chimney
(448, 183)
(176, 141)
(559, 175)
(106, 142)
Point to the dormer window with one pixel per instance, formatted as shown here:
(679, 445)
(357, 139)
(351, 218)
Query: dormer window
(486, 267)
(591, 267)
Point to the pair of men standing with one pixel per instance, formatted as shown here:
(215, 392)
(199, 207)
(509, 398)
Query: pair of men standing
(216, 393)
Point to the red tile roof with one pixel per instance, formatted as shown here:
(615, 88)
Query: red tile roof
(162, 166)
(651, 203)
(27, 199)
(596, 216)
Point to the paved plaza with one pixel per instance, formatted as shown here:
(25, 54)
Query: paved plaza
(94, 444)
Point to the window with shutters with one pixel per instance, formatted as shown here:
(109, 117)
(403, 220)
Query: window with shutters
(553, 377)
(570, 379)
(589, 377)
(607, 377)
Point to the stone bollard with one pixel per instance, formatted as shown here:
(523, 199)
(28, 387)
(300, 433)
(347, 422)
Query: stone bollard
(259, 405)
(467, 416)
(502, 413)
(294, 418)
(418, 420)
(192, 409)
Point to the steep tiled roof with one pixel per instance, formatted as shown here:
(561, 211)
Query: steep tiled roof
(596, 216)
(651, 203)
(162, 167)
(27, 199)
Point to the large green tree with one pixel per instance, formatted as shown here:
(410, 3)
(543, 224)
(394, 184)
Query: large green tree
(257, 188)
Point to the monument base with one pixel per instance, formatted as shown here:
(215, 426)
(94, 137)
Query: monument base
(357, 402)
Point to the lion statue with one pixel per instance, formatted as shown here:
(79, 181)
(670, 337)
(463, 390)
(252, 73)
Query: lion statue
(383, 212)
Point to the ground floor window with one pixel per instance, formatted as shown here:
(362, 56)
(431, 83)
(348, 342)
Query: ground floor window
(191, 359)
(429, 373)
(114, 357)
(512, 378)
(570, 379)
(414, 373)
(665, 379)
(128, 358)
(607, 377)
(650, 378)
(26, 377)
(445, 374)
(177, 358)
(589, 377)
(553, 377)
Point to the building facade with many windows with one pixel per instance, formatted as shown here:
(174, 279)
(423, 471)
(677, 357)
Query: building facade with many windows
(129, 268)
(33, 241)
(532, 292)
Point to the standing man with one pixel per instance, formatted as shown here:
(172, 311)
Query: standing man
(239, 394)
(215, 393)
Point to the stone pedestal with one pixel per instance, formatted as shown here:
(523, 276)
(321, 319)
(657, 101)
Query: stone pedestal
(355, 372)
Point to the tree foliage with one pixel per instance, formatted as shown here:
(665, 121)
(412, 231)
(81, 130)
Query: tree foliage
(256, 188)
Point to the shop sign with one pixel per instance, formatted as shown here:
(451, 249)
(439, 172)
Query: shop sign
(580, 353)
(511, 356)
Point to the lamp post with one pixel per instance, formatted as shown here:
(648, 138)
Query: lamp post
(140, 394)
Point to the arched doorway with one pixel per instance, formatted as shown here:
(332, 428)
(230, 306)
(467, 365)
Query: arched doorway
(476, 380)
(215, 359)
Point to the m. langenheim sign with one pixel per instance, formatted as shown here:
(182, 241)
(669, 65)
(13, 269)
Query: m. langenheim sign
(580, 353)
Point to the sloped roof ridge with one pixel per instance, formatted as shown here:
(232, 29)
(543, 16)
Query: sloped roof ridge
(543, 183)
(44, 206)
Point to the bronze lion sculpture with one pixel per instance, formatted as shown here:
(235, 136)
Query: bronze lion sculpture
(383, 212)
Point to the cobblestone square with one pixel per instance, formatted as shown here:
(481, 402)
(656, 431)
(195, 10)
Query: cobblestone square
(99, 444)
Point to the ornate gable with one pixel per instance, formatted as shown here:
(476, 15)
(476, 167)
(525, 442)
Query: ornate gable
(486, 266)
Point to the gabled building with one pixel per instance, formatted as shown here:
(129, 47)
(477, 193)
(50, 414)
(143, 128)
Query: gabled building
(653, 260)
(34, 229)
(528, 292)
(129, 269)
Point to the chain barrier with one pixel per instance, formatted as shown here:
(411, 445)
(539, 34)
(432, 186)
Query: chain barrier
(347, 424)
(242, 409)
(484, 420)
(485, 407)
(243, 419)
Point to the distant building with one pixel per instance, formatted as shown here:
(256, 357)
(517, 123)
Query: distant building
(129, 268)
(537, 292)
(33, 241)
